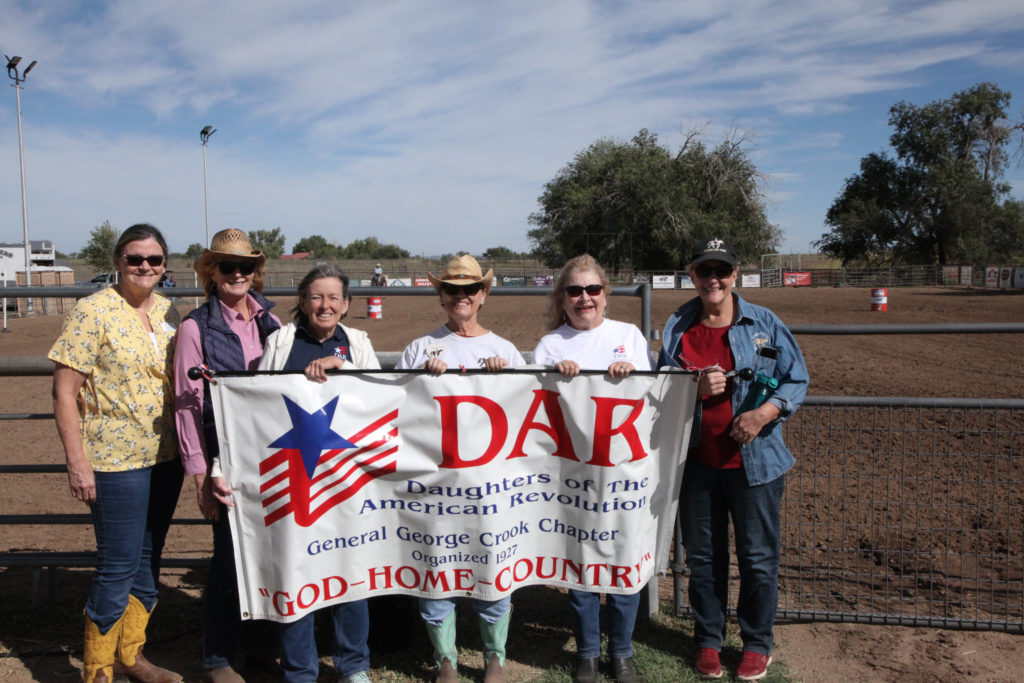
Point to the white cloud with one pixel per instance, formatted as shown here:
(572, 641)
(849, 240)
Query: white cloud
(435, 125)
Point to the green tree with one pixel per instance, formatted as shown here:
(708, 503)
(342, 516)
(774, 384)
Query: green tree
(940, 198)
(638, 203)
(318, 246)
(371, 248)
(503, 254)
(99, 250)
(270, 242)
(194, 251)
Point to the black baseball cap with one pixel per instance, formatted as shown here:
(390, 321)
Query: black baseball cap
(714, 249)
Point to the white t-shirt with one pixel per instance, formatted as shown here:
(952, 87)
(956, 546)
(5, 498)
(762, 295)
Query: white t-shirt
(610, 342)
(457, 351)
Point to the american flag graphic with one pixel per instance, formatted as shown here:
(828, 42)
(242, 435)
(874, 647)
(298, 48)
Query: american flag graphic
(305, 481)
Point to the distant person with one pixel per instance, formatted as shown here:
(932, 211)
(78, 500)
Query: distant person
(314, 343)
(113, 402)
(581, 338)
(463, 342)
(378, 277)
(227, 333)
(169, 281)
(737, 460)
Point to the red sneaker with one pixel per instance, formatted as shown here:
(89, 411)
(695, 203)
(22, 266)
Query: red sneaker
(708, 663)
(753, 666)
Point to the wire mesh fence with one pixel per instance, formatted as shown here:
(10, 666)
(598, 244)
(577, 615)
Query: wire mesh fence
(904, 514)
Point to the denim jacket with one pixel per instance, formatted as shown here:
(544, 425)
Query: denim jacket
(766, 458)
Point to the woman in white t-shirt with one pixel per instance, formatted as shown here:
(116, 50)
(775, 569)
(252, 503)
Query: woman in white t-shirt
(581, 338)
(463, 342)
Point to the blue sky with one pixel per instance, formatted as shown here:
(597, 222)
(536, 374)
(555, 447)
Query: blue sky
(434, 125)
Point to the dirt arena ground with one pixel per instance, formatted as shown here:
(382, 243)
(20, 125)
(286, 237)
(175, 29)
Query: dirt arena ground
(43, 644)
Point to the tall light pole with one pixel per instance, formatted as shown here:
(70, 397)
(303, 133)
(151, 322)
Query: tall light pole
(12, 72)
(204, 135)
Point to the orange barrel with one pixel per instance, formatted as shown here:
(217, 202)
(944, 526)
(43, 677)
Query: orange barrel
(374, 306)
(879, 300)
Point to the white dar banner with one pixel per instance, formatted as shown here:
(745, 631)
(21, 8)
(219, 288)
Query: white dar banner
(452, 485)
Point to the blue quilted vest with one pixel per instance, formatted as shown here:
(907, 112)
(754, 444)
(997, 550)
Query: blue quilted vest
(222, 351)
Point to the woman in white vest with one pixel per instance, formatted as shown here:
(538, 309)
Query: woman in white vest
(316, 342)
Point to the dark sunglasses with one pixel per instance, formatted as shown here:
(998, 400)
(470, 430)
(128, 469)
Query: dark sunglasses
(453, 290)
(577, 290)
(721, 271)
(243, 267)
(136, 260)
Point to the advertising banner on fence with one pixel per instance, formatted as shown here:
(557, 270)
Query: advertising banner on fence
(1006, 277)
(663, 281)
(469, 484)
(991, 276)
(1018, 277)
(750, 280)
(801, 279)
(967, 275)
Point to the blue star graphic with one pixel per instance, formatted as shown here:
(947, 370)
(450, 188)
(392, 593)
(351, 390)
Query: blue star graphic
(311, 433)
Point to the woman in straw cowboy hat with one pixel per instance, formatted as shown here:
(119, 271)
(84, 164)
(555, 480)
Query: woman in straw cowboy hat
(227, 333)
(463, 342)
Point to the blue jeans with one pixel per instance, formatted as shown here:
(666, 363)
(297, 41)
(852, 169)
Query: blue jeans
(435, 611)
(221, 618)
(709, 497)
(586, 623)
(130, 517)
(299, 659)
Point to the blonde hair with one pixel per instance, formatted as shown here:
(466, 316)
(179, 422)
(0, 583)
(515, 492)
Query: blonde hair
(578, 264)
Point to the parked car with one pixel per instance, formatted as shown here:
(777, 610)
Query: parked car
(100, 281)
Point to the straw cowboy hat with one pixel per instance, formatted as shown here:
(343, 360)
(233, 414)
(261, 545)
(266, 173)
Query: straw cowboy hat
(227, 245)
(462, 270)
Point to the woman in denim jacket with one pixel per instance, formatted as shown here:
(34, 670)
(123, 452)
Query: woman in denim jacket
(737, 461)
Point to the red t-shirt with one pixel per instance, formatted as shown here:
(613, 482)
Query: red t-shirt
(704, 346)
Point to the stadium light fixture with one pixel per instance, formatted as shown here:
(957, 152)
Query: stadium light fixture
(204, 135)
(12, 73)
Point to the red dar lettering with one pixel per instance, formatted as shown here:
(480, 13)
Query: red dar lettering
(555, 429)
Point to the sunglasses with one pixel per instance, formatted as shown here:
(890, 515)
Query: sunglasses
(577, 290)
(136, 260)
(453, 290)
(243, 267)
(721, 271)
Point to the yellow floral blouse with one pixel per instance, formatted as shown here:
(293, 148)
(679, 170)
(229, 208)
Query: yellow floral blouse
(127, 401)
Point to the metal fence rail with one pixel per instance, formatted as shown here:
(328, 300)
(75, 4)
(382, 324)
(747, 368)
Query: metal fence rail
(900, 510)
(904, 512)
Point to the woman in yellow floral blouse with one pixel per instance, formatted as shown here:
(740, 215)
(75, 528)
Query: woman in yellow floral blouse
(114, 407)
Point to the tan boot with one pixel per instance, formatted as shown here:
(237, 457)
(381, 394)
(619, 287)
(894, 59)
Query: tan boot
(494, 637)
(442, 637)
(495, 671)
(447, 673)
(130, 661)
(100, 650)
